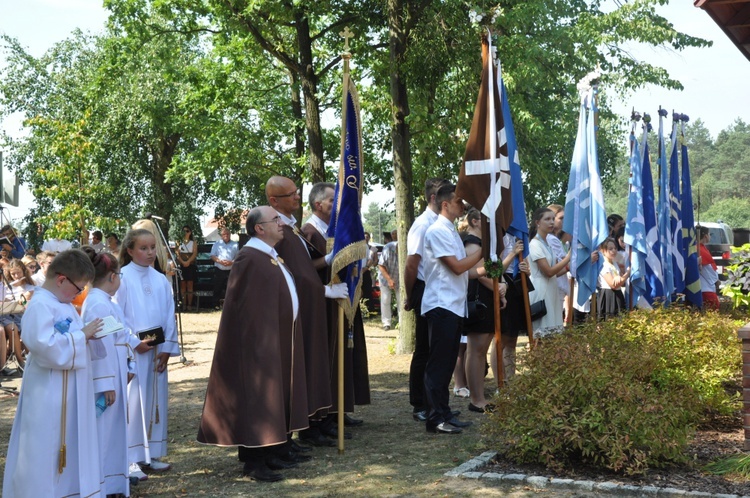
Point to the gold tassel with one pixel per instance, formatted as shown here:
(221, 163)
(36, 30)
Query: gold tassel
(63, 461)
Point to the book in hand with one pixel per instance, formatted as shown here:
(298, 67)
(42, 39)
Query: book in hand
(153, 337)
(110, 326)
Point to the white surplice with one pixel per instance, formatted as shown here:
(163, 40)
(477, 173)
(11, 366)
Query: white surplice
(57, 393)
(110, 373)
(146, 299)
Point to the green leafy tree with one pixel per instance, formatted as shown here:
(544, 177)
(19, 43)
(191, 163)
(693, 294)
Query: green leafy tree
(378, 220)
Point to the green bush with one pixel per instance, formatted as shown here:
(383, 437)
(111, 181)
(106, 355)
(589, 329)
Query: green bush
(624, 395)
(737, 285)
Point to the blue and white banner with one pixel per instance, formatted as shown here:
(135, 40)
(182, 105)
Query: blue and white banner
(635, 223)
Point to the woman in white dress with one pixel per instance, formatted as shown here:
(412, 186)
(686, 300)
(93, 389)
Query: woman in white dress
(544, 272)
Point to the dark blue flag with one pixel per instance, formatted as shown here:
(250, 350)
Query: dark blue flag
(519, 226)
(349, 246)
(693, 293)
(675, 217)
(654, 274)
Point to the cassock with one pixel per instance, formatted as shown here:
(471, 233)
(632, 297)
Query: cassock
(312, 319)
(110, 373)
(146, 299)
(55, 408)
(356, 373)
(256, 392)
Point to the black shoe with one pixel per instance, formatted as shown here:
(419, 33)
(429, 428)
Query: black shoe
(457, 423)
(293, 457)
(352, 422)
(330, 430)
(444, 428)
(276, 463)
(489, 407)
(455, 413)
(261, 473)
(420, 416)
(318, 440)
(299, 448)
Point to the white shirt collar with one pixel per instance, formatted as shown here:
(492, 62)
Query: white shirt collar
(320, 225)
(288, 220)
(258, 244)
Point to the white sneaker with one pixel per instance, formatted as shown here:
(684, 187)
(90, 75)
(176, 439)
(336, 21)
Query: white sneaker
(462, 392)
(135, 471)
(156, 465)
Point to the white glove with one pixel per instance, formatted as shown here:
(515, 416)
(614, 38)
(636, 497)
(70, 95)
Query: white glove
(337, 291)
(329, 258)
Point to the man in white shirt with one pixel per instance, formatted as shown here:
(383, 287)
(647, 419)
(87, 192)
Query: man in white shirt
(56, 245)
(414, 287)
(223, 253)
(444, 305)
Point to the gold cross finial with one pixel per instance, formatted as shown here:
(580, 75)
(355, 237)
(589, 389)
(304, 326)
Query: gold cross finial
(346, 34)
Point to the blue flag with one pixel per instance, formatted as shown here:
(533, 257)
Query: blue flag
(693, 293)
(675, 216)
(575, 217)
(665, 216)
(635, 224)
(349, 246)
(518, 227)
(585, 218)
(654, 275)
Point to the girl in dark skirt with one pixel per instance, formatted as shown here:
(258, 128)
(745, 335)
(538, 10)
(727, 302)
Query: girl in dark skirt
(481, 333)
(611, 299)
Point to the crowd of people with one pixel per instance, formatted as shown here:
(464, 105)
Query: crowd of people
(94, 329)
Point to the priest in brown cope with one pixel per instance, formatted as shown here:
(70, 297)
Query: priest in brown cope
(284, 196)
(256, 395)
(356, 374)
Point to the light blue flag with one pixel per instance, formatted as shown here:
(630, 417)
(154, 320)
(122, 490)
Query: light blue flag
(675, 216)
(585, 218)
(664, 216)
(653, 274)
(693, 293)
(519, 226)
(576, 221)
(597, 213)
(635, 224)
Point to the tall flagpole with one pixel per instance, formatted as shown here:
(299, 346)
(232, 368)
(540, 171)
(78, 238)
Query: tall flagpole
(346, 55)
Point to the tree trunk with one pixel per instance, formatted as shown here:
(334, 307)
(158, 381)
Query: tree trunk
(309, 82)
(162, 154)
(299, 130)
(402, 169)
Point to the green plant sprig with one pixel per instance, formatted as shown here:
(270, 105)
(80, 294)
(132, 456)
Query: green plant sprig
(494, 269)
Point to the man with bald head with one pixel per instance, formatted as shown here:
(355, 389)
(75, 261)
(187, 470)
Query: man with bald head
(258, 351)
(284, 196)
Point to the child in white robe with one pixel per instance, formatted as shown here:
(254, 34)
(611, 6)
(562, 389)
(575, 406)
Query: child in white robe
(110, 372)
(146, 298)
(53, 449)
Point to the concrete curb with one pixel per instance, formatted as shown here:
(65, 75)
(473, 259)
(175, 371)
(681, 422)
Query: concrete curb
(468, 470)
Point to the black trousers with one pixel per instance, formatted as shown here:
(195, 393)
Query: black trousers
(445, 337)
(220, 284)
(421, 351)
